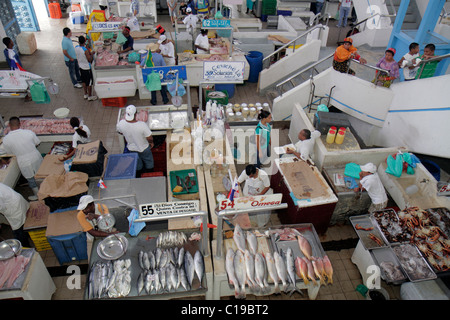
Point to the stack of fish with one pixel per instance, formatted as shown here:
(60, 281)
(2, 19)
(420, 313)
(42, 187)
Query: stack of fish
(108, 279)
(165, 270)
(170, 239)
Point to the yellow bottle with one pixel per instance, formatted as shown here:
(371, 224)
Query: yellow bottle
(340, 137)
(331, 136)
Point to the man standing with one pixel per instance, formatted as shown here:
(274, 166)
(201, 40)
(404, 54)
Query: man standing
(370, 181)
(172, 6)
(344, 9)
(70, 58)
(138, 137)
(305, 146)
(167, 50)
(319, 6)
(22, 143)
(158, 61)
(14, 207)
(128, 45)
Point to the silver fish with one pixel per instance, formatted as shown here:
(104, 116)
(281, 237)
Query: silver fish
(252, 242)
(140, 256)
(239, 238)
(240, 272)
(141, 282)
(229, 267)
(168, 279)
(164, 259)
(158, 253)
(281, 270)
(270, 262)
(180, 259)
(199, 266)
(250, 269)
(189, 267)
(290, 265)
(146, 261)
(152, 260)
(162, 278)
(171, 256)
(261, 273)
(183, 279)
(173, 276)
(157, 281)
(148, 282)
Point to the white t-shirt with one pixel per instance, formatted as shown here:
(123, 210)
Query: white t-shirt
(374, 187)
(254, 186)
(13, 206)
(76, 138)
(81, 57)
(345, 3)
(168, 49)
(407, 72)
(306, 147)
(191, 22)
(103, 3)
(135, 133)
(203, 42)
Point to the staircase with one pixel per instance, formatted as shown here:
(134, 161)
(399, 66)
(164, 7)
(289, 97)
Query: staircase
(412, 17)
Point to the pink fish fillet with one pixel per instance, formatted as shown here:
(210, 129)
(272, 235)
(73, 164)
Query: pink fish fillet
(301, 269)
(311, 274)
(328, 269)
(305, 247)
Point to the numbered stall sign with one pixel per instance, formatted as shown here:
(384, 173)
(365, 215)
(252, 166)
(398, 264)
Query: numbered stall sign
(151, 210)
(251, 202)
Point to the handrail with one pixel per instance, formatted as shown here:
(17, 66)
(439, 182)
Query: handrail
(444, 56)
(369, 66)
(292, 41)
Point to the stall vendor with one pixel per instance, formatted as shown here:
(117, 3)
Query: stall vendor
(167, 50)
(370, 181)
(82, 135)
(305, 146)
(88, 215)
(202, 43)
(257, 183)
(128, 45)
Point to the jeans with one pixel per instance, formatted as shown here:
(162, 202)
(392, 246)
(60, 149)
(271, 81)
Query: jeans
(319, 6)
(343, 15)
(163, 95)
(74, 71)
(145, 159)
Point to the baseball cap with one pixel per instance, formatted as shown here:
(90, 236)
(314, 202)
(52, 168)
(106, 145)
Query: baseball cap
(188, 10)
(130, 112)
(162, 38)
(369, 167)
(84, 201)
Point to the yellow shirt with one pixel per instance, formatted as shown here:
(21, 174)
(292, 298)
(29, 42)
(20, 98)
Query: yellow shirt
(87, 224)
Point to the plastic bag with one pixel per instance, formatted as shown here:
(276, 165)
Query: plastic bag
(133, 24)
(395, 166)
(153, 82)
(352, 170)
(39, 93)
(121, 39)
(133, 57)
(134, 227)
(172, 87)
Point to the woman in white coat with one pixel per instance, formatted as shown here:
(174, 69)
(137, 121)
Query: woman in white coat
(22, 143)
(257, 183)
(14, 207)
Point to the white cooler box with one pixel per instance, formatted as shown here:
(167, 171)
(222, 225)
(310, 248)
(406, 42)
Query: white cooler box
(77, 17)
(115, 87)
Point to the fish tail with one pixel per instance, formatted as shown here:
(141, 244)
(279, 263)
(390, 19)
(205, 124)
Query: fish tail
(305, 280)
(330, 279)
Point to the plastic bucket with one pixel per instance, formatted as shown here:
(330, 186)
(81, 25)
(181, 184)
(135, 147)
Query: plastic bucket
(254, 59)
(433, 168)
(229, 88)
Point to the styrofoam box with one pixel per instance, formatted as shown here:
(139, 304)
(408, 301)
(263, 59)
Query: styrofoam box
(26, 42)
(424, 290)
(115, 90)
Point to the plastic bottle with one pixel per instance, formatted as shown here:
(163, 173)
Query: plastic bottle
(331, 136)
(340, 137)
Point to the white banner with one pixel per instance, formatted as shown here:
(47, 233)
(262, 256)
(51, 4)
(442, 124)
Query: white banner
(251, 202)
(148, 211)
(223, 70)
(107, 25)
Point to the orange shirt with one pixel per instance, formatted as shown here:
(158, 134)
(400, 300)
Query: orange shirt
(341, 54)
(84, 222)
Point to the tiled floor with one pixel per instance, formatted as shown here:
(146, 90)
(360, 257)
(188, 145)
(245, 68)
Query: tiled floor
(47, 61)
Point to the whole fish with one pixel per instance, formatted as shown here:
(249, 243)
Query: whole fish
(311, 274)
(172, 260)
(260, 273)
(189, 267)
(252, 242)
(157, 281)
(270, 262)
(250, 269)
(319, 270)
(152, 260)
(229, 267)
(158, 253)
(141, 281)
(199, 266)
(328, 269)
(239, 238)
(290, 265)
(164, 259)
(169, 283)
(148, 282)
(183, 279)
(180, 258)
(281, 270)
(305, 247)
(240, 272)
(301, 269)
(140, 256)
(173, 276)
(146, 261)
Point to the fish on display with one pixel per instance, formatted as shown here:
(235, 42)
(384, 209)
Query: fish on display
(141, 282)
(199, 266)
(319, 269)
(148, 282)
(239, 238)
(311, 274)
(290, 265)
(152, 260)
(183, 279)
(180, 258)
(158, 253)
(189, 267)
(281, 270)
(301, 269)
(229, 267)
(240, 272)
(270, 262)
(328, 269)
(146, 261)
(252, 242)
(250, 269)
(261, 273)
(305, 247)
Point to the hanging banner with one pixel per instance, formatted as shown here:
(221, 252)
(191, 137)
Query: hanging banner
(106, 25)
(223, 70)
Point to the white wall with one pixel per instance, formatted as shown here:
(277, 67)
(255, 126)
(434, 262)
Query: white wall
(301, 57)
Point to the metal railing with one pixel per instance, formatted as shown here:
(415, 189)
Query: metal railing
(291, 42)
(436, 58)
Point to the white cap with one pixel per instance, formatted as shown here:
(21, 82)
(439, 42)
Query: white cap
(162, 38)
(188, 10)
(130, 112)
(84, 201)
(369, 167)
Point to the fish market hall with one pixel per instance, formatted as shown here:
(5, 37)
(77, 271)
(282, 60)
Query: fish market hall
(144, 159)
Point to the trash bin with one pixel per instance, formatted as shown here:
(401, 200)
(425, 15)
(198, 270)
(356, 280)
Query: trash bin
(254, 59)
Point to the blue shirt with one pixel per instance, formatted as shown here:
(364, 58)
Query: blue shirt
(129, 43)
(68, 46)
(158, 60)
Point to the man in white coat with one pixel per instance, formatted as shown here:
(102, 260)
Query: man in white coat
(22, 143)
(371, 182)
(14, 207)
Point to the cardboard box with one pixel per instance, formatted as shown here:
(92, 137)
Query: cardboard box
(50, 165)
(63, 223)
(87, 153)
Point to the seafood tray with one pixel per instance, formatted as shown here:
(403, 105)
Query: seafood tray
(367, 232)
(135, 246)
(441, 218)
(391, 227)
(413, 263)
(390, 268)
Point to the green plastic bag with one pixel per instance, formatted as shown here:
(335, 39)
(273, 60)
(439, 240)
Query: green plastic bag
(395, 166)
(120, 40)
(153, 82)
(352, 170)
(133, 57)
(39, 93)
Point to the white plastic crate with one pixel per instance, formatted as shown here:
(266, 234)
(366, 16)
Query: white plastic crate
(115, 87)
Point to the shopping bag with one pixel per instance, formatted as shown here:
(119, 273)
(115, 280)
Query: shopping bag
(153, 82)
(133, 57)
(39, 93)
(352, 170)
(172, 88)
(121, 39)
(395, 166)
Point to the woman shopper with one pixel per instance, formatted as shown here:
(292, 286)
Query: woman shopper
(387, 63)
(262, 132)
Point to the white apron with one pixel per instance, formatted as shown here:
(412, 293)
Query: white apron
(254, 187)
(13, 206)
